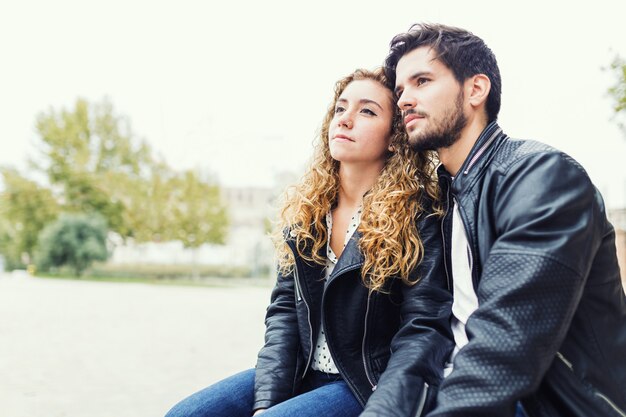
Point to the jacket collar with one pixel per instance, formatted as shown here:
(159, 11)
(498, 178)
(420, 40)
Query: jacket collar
(476, 159)
(350, 258)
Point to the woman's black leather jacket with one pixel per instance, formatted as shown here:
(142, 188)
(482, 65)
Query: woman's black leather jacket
(389, 347)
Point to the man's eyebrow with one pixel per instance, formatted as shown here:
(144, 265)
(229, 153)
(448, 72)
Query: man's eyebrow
(362, 101)
(413, 77)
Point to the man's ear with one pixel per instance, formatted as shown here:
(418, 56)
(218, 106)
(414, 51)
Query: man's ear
(477, 89)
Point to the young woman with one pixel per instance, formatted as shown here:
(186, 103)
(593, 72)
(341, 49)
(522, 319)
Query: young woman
(347, 307)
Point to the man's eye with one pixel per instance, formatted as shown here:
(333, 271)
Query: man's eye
(421, 81)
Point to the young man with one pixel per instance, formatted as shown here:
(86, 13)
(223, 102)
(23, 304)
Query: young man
(539, 313)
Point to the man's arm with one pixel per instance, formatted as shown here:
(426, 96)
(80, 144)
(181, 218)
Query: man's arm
(544, 212)
(424, 340)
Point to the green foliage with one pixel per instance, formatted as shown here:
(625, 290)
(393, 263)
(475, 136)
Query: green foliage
(618, 91)
(198, 216)
(8, 249)
(91, 154)
(25, 208)
(93, 163)
(74, 240)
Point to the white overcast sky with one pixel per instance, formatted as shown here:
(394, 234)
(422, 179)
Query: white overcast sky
(239, 88)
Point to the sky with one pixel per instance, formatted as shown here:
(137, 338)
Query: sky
(238, 89)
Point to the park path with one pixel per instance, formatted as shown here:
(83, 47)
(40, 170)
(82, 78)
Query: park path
(89, 349)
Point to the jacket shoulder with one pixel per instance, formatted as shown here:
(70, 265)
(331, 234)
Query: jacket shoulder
(515, 152)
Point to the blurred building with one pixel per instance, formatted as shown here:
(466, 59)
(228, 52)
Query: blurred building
(250, 209)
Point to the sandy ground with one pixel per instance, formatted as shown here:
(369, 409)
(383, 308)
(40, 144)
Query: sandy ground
(87, 349)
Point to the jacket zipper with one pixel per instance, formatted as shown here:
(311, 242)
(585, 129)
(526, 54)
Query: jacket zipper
(367, 374)
(565, 361)
(348, 381)
(443, 238)
(308, 362)
(296, 280)
(422, 400)
(296, 285)
(610, 403)
(595, 390)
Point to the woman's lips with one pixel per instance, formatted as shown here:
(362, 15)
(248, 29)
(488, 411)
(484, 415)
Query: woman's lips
(343, 138)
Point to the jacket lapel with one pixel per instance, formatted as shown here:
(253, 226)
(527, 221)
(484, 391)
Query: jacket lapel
(350, 258)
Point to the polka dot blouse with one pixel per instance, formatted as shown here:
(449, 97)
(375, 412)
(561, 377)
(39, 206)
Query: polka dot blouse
(322, 361)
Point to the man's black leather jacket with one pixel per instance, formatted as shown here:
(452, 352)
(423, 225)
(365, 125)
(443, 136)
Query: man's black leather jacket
(392, 345)
(550, 329)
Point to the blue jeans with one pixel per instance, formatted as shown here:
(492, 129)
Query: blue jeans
(323, 395)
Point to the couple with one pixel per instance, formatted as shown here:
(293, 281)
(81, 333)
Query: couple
(487, 288)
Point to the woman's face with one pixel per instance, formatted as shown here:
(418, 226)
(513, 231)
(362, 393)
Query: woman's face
(360, 130)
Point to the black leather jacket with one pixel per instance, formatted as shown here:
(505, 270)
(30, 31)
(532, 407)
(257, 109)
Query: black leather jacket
(390, 345)
(550, 329)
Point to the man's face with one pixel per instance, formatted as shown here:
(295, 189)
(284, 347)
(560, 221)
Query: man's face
(431, 100)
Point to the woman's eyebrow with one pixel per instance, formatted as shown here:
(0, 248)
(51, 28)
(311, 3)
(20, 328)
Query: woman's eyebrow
(362, 101)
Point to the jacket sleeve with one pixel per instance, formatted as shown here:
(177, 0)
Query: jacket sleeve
(545, 213)
(424, 340)
(276, 362)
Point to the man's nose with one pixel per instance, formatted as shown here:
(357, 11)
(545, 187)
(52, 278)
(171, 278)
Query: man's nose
(406, 101)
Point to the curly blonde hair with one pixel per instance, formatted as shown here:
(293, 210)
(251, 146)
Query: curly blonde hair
(389, 239)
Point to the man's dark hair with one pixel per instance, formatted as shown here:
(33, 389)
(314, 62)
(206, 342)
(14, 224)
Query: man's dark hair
(460, 50)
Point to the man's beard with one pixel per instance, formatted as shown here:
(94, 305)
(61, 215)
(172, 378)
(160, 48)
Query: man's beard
(444, 132)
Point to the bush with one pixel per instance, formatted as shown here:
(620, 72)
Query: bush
(74, 241)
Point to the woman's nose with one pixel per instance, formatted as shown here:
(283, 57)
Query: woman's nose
(346, 120)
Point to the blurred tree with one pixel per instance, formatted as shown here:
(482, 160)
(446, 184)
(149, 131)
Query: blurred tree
(198, 215)
(618, 91)
(74, 240)
(94, 164)
(150, 211)
(7, 250)
(25, 208)
(91, 154)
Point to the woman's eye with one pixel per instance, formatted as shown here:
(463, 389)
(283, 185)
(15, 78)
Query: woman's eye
(368, 111)
(339, 109)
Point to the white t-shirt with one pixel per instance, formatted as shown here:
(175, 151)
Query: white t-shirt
(322, 360)
(465, 299)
